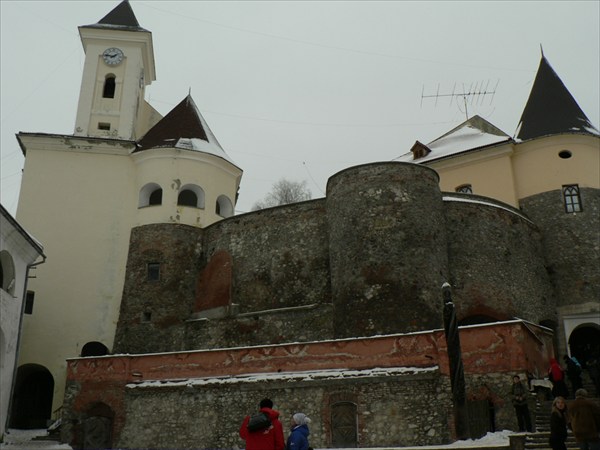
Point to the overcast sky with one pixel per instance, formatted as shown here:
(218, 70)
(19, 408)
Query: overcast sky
(302, 90)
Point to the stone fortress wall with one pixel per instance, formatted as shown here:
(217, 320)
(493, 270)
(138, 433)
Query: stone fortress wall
(368, 259)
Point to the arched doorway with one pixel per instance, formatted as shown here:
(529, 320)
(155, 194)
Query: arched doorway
(32, 398)
(584, 342)
(97, 426)
(344, 431)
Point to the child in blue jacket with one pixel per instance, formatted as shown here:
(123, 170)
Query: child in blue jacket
(298, 439)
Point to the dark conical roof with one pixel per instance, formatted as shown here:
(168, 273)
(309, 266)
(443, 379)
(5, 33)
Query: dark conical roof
(551, 109)
(183, 121)
(184, 128)
(121, 17)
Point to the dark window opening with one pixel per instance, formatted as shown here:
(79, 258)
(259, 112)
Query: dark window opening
(465, 189)
(572, 198)
(187, 198)
(155, 197)
(29, 302)
(109, 87)
(218, 208)
(146, 316)
(104, 126)
(565, 154)
(153, 271)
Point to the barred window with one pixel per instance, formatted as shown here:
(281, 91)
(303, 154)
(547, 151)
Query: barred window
(465, 189)
(572, 198)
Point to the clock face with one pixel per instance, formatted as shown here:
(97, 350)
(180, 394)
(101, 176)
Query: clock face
(112, 56)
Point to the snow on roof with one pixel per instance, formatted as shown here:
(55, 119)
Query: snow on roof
(200, 145)
(459, 198)
(472, 134)
(330, 374)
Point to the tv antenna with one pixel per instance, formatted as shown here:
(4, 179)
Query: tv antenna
(474, 95)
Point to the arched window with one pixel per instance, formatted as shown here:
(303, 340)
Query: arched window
(109, 86)
(7, 272)
(191, 195)
(150, 195)
(224, 207)
(187, 198)
(155, 197)
(572, 198)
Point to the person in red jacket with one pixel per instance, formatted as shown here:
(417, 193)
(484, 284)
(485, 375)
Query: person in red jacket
(270, 438)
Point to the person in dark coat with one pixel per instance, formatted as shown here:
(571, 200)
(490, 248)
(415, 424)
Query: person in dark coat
(270, 438)
(573, 372)
(298, 439)
(557, 376)
(585, 421)
(558, 424)
(519, 401)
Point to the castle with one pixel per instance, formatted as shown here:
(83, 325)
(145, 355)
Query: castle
(332, 305)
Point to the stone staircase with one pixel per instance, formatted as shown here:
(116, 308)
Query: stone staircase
(539, 440)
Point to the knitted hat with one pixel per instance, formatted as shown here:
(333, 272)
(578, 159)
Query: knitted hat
(581, 393)
(301, 419)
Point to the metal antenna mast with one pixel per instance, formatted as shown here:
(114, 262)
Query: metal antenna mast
(474, 95)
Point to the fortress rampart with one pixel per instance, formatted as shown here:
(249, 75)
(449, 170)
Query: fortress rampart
(369, 259)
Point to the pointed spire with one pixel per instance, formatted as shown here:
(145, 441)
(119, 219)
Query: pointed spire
(551, 109)
(183, 121)
(121, 17)
(184, 128)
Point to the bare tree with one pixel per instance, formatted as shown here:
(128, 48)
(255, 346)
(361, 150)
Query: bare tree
(284, 192)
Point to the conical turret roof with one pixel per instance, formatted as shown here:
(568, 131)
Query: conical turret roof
(121, 17)
(551, 109)
(184, 128)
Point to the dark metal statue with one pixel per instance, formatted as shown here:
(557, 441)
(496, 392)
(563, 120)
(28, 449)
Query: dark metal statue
(457, 374)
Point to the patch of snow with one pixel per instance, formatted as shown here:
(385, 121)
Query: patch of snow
(448, 198)
(308, 375)
(22, 440)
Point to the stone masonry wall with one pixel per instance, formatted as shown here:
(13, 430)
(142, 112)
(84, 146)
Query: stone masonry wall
(571, 243)
(392, 410)
(280, 256)
(388, 256)
(496, 253)
(153, 312)
(369, 259)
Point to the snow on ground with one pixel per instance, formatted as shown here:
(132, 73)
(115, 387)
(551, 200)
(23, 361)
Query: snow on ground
(21, 440)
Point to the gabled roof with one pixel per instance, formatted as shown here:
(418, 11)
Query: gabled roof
(551, 109)
(184, 128)
(473, 134)
(121, 17)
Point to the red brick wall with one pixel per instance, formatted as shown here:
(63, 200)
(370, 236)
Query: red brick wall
(508, 347)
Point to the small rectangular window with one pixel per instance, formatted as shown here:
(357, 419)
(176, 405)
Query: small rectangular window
(572, 198)
(153, 272)
(146, 316)
(104, 126)
(29, 302)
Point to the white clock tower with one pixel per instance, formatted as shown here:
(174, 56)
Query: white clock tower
(119, 64)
